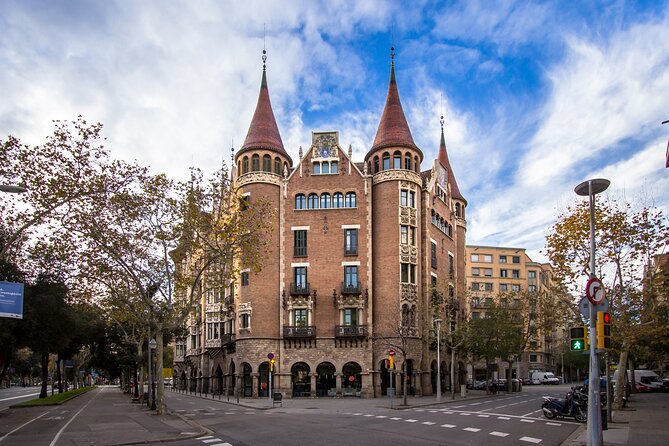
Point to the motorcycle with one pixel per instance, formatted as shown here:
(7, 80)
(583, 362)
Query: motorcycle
(574, 405)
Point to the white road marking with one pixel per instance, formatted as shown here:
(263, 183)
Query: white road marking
(229, 413)
(428, 423)
(211, 440)
(499, 434)
(410, 420)
(369, 415)
(381, 416)
(62, 429)
(20, 396)
(395, 418)
(205, 437)
(471, 429)
(457, 407)
(474, 404)
(358, 413)
(24, 424)
(525, 420)
(465, 414)
(553, 424)
(530, 439)
(483, 416)
(449, 426)
(503, 418)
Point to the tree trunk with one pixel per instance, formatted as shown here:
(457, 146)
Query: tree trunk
(160, 385)
(134, 380)
(404, 380)
(452, 374)
(622, 375)
(141, 368)
(43, 393)
(58, 374)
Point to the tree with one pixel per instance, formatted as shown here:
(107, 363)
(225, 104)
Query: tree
(626, 240)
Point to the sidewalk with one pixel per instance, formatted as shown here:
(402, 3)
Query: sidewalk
(645, 421)
(113, 418)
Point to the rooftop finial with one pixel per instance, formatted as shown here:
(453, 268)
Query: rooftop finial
(264, 51)
(232, 150)
(441, 121)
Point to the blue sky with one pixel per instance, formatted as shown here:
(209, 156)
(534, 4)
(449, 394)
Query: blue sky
(537, 96)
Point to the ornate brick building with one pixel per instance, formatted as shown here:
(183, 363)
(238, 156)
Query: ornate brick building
(365, 256)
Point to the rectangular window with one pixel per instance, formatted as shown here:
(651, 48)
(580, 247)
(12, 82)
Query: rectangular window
(475, 286)
(487, 272)
(487, 258)
(533, 358)
(412, 199)
(532, 288)
(317, 168)
(476, 272)
(475, 257)
(404, 197)
(503, 287)
(300, 277)
(244, 320)
(503, 273)
(300, 318)
(300, 243)
(476, 315)
(245, 278)
(350, 242)
(351, 276)
(408, 273)
(515, 273)
(404, 235)
(488, 286)
(516, 259)
(451, 265)
(502, 259)
(412, 236)
(531, 274)
(433, 253)
(515, 287)
(325, 168)
(350, 316)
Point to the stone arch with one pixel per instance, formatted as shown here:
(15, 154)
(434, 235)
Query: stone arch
(351, 379)
(300, 379)
(247, 380)
(326, 382)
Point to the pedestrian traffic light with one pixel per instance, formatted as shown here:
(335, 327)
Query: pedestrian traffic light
(603, 330)
(577, 337)
(391, 361)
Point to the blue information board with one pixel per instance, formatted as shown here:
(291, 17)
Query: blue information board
(11, 300)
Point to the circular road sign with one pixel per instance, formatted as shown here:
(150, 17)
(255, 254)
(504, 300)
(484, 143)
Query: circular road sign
(391, 352)
(270, 355)
(594, 290)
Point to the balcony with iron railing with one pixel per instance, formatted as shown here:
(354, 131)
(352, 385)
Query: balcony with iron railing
(351, 331)
(350, 288)
(299, 289)
(299, 331)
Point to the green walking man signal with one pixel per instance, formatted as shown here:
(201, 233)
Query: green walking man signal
(578, 339)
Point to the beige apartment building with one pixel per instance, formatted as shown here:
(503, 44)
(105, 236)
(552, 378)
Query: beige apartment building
(507, 276)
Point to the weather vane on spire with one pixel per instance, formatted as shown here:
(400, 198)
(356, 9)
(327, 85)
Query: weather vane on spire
(441, 106)
(264, 52)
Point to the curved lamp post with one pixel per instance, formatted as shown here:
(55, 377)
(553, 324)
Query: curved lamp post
(152, 381)
(590, 188)
(12, 189)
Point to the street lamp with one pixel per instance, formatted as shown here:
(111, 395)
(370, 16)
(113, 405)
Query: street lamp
(152, 383)
(11, 188)
(589, 189)
(437, 322)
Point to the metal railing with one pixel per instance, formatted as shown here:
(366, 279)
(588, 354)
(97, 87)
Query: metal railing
(299, 331)
(351, 331)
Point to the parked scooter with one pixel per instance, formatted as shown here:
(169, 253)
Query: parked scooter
(574, 405)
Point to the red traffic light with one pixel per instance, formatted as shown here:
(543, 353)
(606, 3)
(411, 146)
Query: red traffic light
(607, 318)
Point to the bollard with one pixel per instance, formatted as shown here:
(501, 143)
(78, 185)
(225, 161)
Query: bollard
(605, 419)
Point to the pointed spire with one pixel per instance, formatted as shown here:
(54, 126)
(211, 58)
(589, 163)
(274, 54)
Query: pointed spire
(393, 130)
(443, 159)
(263, 132)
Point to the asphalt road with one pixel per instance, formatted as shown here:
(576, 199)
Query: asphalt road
(15, 395)
(507, 419)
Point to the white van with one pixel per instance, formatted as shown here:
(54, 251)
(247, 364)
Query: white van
(648, 378)
(544, 378)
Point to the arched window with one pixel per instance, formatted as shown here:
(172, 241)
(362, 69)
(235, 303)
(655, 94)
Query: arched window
(386, 161)
(255, 163)
(245, 165)
(376, 164)
(457, 209)
(397, 160)
(325, 201)
(407, 161)
(312, 203)
(338, 200)
(267, 163)
(300, 201)
(277, 165)
(350, 199)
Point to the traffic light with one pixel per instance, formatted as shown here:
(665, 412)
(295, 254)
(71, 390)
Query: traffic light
(603, 330)
(577, 337)
(391, 361)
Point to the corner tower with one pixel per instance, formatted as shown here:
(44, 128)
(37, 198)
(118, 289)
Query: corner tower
(394, 163)
(262, 168)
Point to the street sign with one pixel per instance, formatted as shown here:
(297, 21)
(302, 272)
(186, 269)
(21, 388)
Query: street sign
(594, 290)
(391, 352)
(270, 355)
(584, 307)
